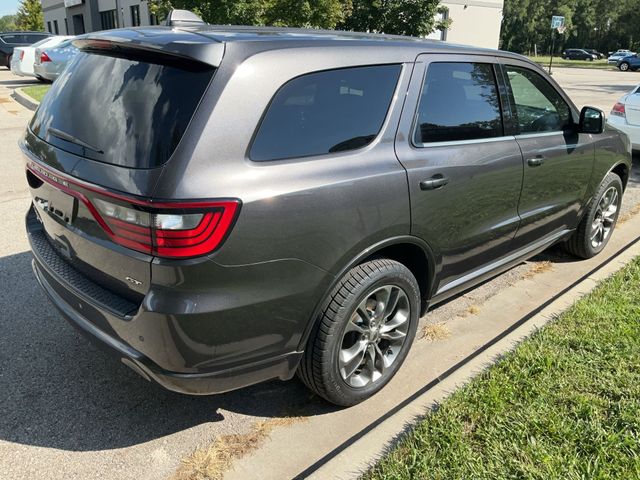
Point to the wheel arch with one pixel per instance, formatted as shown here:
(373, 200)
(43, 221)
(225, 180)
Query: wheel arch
(412, 252)
(622, 170)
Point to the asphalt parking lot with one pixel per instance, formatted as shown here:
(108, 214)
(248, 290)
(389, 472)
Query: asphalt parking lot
(71, 411)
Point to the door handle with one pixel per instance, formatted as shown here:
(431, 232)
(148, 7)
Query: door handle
(437, 181)
(536, 162)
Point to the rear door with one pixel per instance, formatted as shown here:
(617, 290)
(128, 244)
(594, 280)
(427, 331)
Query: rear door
(464, 168)
(558, 161)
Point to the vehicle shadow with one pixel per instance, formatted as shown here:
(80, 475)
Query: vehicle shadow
(57, 390)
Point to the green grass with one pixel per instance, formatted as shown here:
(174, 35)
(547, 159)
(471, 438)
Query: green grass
(565, 404)
(559, 62)
(37, 92)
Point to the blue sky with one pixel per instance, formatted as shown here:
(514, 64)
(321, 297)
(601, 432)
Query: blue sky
(7, 7)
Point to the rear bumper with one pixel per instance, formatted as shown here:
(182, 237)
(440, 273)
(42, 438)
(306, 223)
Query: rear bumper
(632, 131)
(282, 367)
(144, 340)
(43, 71)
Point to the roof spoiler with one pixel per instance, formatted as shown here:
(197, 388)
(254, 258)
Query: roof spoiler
(183, 18)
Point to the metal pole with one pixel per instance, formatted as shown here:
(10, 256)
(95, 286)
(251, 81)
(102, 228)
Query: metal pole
(553, 44)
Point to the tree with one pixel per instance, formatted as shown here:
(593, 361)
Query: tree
(404, 17)
(30, 16)
(401, 17)
(600, 24)
(7, 23)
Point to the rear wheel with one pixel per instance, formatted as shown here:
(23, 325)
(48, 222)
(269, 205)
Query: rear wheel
(9, 61)
(365, 332)
(624, 66)
(596, 228)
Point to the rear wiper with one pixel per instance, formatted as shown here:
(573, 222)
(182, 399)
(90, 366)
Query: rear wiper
(70, 138)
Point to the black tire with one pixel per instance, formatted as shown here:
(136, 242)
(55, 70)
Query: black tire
(624, 66)
(319, 368)
(9, 62)
(580, 243)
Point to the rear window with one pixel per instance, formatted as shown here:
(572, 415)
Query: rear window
(119, 110)
(326, 112)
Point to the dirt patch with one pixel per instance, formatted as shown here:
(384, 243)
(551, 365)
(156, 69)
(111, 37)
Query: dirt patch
(435, 331)
(212, 461)
(539, 267)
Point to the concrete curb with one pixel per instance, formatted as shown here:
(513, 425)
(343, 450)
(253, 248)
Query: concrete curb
(25, 100)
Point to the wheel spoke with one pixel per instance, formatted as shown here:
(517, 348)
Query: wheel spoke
(383, 360)
(382, 297)
(393, 336)
(351, 358)
(352, 326)
(392, 302)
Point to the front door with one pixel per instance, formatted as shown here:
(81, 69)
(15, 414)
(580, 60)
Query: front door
(464, 172)
(558, 161)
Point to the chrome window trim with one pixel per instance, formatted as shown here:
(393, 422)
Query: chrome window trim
(454, 143)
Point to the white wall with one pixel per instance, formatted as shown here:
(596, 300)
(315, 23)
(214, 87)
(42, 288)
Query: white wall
(475, 22)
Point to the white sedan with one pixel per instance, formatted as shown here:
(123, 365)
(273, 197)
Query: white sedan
(24, 57)
(625, 116)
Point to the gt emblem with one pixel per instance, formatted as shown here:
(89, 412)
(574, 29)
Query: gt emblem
(133, 280)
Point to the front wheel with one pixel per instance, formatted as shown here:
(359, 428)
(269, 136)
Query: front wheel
(596, 227)
(624, 66)
(364, 333)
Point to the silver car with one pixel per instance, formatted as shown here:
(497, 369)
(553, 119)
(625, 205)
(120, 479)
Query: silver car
(50, 62)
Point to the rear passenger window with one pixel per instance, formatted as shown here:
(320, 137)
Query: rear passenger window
(539, 107)
(326, 112)
(459, 101)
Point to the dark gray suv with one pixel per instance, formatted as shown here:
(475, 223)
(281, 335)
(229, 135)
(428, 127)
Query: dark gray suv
(223, 205)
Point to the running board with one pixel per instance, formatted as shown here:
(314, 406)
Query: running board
(496, 268)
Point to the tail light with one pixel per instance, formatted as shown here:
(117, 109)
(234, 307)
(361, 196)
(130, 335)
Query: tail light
(21, 55)
(44, 57)
(166, 229)
(618, 110)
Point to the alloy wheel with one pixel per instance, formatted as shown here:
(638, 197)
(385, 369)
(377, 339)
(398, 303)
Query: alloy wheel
(374, 336)
(605, 217)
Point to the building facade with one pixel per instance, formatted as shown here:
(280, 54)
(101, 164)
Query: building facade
(74, 17)
(474, 22)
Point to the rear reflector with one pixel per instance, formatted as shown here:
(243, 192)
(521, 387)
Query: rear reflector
(166, 229)
(619, 110)
(21, 55)
(44, 57)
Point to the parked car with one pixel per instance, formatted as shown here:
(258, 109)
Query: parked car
(615, 57)
(598, 55)
(578, 54)
(50, 62)
(238, 204)
(10, 40)
(625, 116)
(23, 58)
(630, 62)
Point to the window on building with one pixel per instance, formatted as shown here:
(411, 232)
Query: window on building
(326, 112)
(135, 15)
(109, 19)
(49, 27)
(459, 101)
(66, 27)
(55, 27)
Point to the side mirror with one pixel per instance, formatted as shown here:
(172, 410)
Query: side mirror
(591, 120)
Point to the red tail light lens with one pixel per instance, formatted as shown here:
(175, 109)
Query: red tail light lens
(619, 110)
(44, 57)
(166, 229)
(21, 55)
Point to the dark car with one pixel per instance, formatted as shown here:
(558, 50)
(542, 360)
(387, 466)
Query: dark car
(239, 204)
(599, 56)
(578, 54)
(10, 40)
(630, 62)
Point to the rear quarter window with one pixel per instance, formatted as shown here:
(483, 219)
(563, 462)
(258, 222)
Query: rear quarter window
(326, 112)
